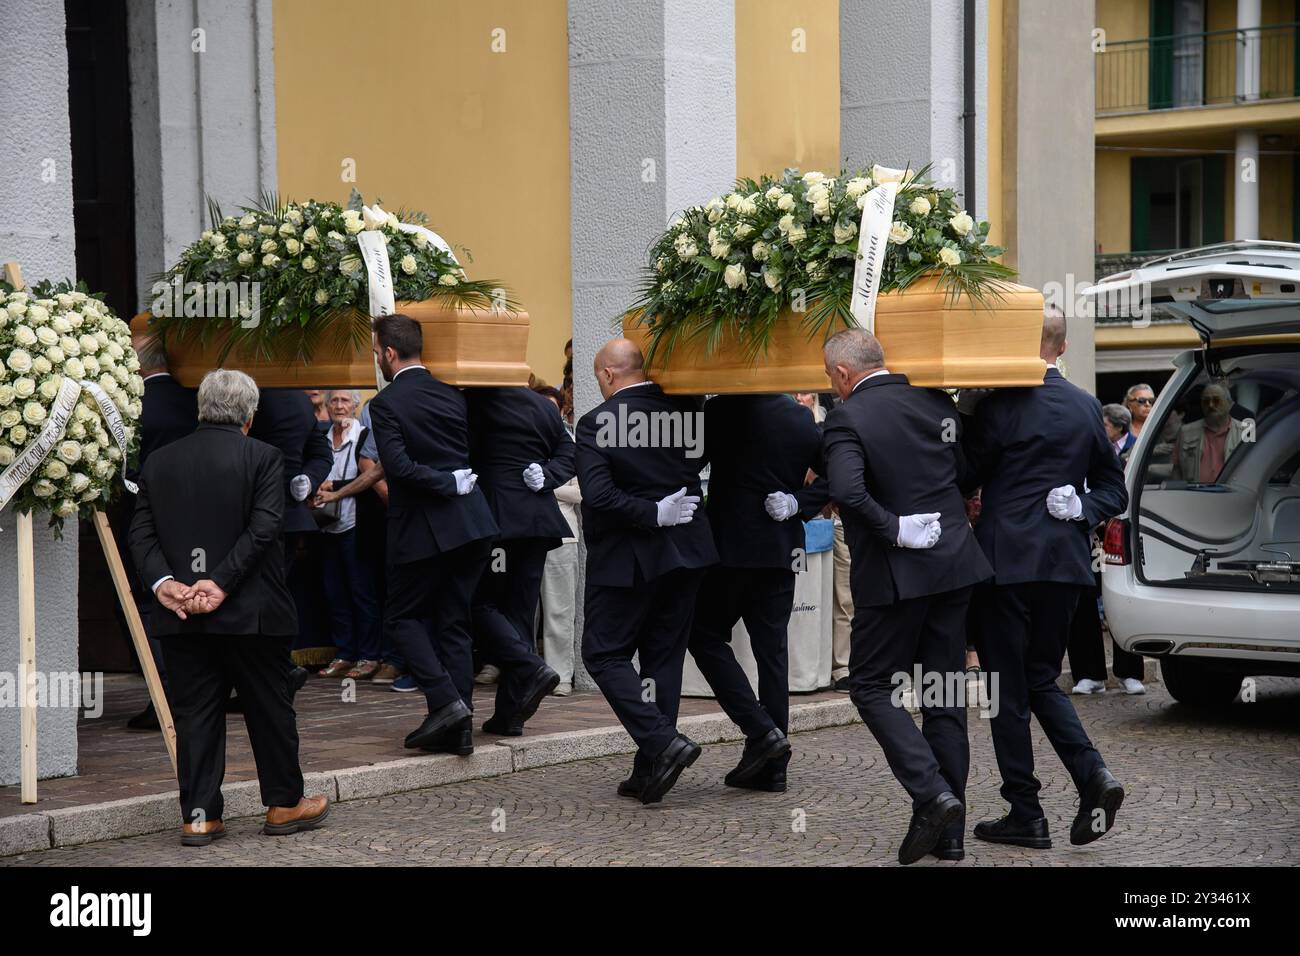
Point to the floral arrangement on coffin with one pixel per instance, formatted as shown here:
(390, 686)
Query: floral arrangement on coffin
(305, 264)
(791, 242)
(48, 336)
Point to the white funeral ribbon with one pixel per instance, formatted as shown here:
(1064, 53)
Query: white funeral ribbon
(379, 270)
(873, 240)
(56, 423)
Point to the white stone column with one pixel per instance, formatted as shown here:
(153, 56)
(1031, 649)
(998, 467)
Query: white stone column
(203, 121)
(1249, 43)
(36, 230)
(652, 128)
(1245, 190)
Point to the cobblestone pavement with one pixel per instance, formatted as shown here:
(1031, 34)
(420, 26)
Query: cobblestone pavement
(1202, 789)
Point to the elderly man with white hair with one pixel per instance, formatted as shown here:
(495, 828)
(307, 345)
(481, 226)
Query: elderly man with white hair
(207, 538)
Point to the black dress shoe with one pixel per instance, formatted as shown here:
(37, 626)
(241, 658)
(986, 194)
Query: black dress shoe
(680, 753)
(631, 787)
(503, 726)
(147, 719)
(842, 686)
(538, 688)
(929, 820)
(457, 739)
(1031, 833)
(443, 718)
(1103, 793)
(754, 760)
(297, 679)
(949, 848)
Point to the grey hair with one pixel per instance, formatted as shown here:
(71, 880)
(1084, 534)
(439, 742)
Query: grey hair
(1117, 415)
(856, 349)
(151, 354)
(352, 393)
(227, 397)
(1134, 389)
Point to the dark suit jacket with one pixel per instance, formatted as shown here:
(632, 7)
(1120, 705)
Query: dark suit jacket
(1022, 443)
(509, 429)
(891, 450)
(168, 411)
(758, 444)
(621, 486)
(285, 420)
(420, 426)
(211, 505)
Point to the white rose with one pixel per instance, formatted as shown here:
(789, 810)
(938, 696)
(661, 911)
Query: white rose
(33, 413)
(270, 259)
(216, 240)
(43, 488)
(920, 206)
(775, 193)
(961, 223)
(50, 388)
(66, 508)
(353, 226)
(16, 309)
(348, 265)
(786, 222)
(24, 388)
(41, 365)
(90, 452)
(949, 257)
(785, 203)
(90, 365)
(7, 395)
(55, 354)
(881, 175)
(70, 452)
(61, 324)
(813, 177)
(20, 360)
(266, 229)
(76, 430)
(720, 249)
(292, 246)
(38, 314)
(760, 251)
(796, 234)
(420, 240)
(743, 231)
(248, 220)
(56, 470)
(10, 417)
(24, 336)
(336, 236)
(733, 200)
(734, 276)
(714, 209)
(322, 296)
(70, 345)
(772, 279)
(80, 483)
(856, 186)
(311, 236)
(900, 232)
(687, 251)
(269, 246)
(408, 264)
(816, 194)
(294, 216)
(843, 233)
(309, 264)
(245, 258)
(822, 208)
(7, 456)
(74, 369)
(244, 240)
(448, 279)
(287, 229)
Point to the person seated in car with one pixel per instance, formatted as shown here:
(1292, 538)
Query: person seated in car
(1203, 446)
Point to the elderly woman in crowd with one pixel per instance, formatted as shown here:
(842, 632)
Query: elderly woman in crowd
(349, 581)
(1117, 419)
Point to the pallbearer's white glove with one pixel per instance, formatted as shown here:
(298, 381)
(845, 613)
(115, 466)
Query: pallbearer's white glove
(1064, 504)
(534, 477)
(918, 531)
(677, 508)
(780, 505)
(299, 487)
(465, 479)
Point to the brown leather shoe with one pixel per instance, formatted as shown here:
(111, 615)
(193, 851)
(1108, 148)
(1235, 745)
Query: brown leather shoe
(201, 834)
(307, 815)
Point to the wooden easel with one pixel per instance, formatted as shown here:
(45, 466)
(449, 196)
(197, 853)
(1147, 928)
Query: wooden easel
(27, 628)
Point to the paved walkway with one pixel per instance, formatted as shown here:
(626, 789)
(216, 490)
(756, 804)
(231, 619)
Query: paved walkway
(114, 763)
(1203, 789)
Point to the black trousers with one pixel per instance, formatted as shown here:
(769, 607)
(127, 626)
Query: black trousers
(653, 620)
(1087, 647)
(887, 641)
(203, 669)
(763, 599)
(439, 588)
(505, 607)
(1023, 638)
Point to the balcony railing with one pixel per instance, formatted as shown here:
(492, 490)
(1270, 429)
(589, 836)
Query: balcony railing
(1198, 69)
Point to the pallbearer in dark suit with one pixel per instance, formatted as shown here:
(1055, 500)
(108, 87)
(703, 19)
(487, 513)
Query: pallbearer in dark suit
(521, 453)
(439, 532)
(894, 463)
(646, 555)
(1049, 475)
(207, 537)
(760, 449)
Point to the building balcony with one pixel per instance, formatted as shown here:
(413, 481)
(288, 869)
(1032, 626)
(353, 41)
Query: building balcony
(1197, 70)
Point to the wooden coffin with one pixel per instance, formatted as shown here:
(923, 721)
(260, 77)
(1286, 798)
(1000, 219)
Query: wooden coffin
(932, 339)
(462, 346)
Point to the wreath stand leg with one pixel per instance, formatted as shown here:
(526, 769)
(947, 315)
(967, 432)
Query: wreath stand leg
(138, 638)
(27, 655)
